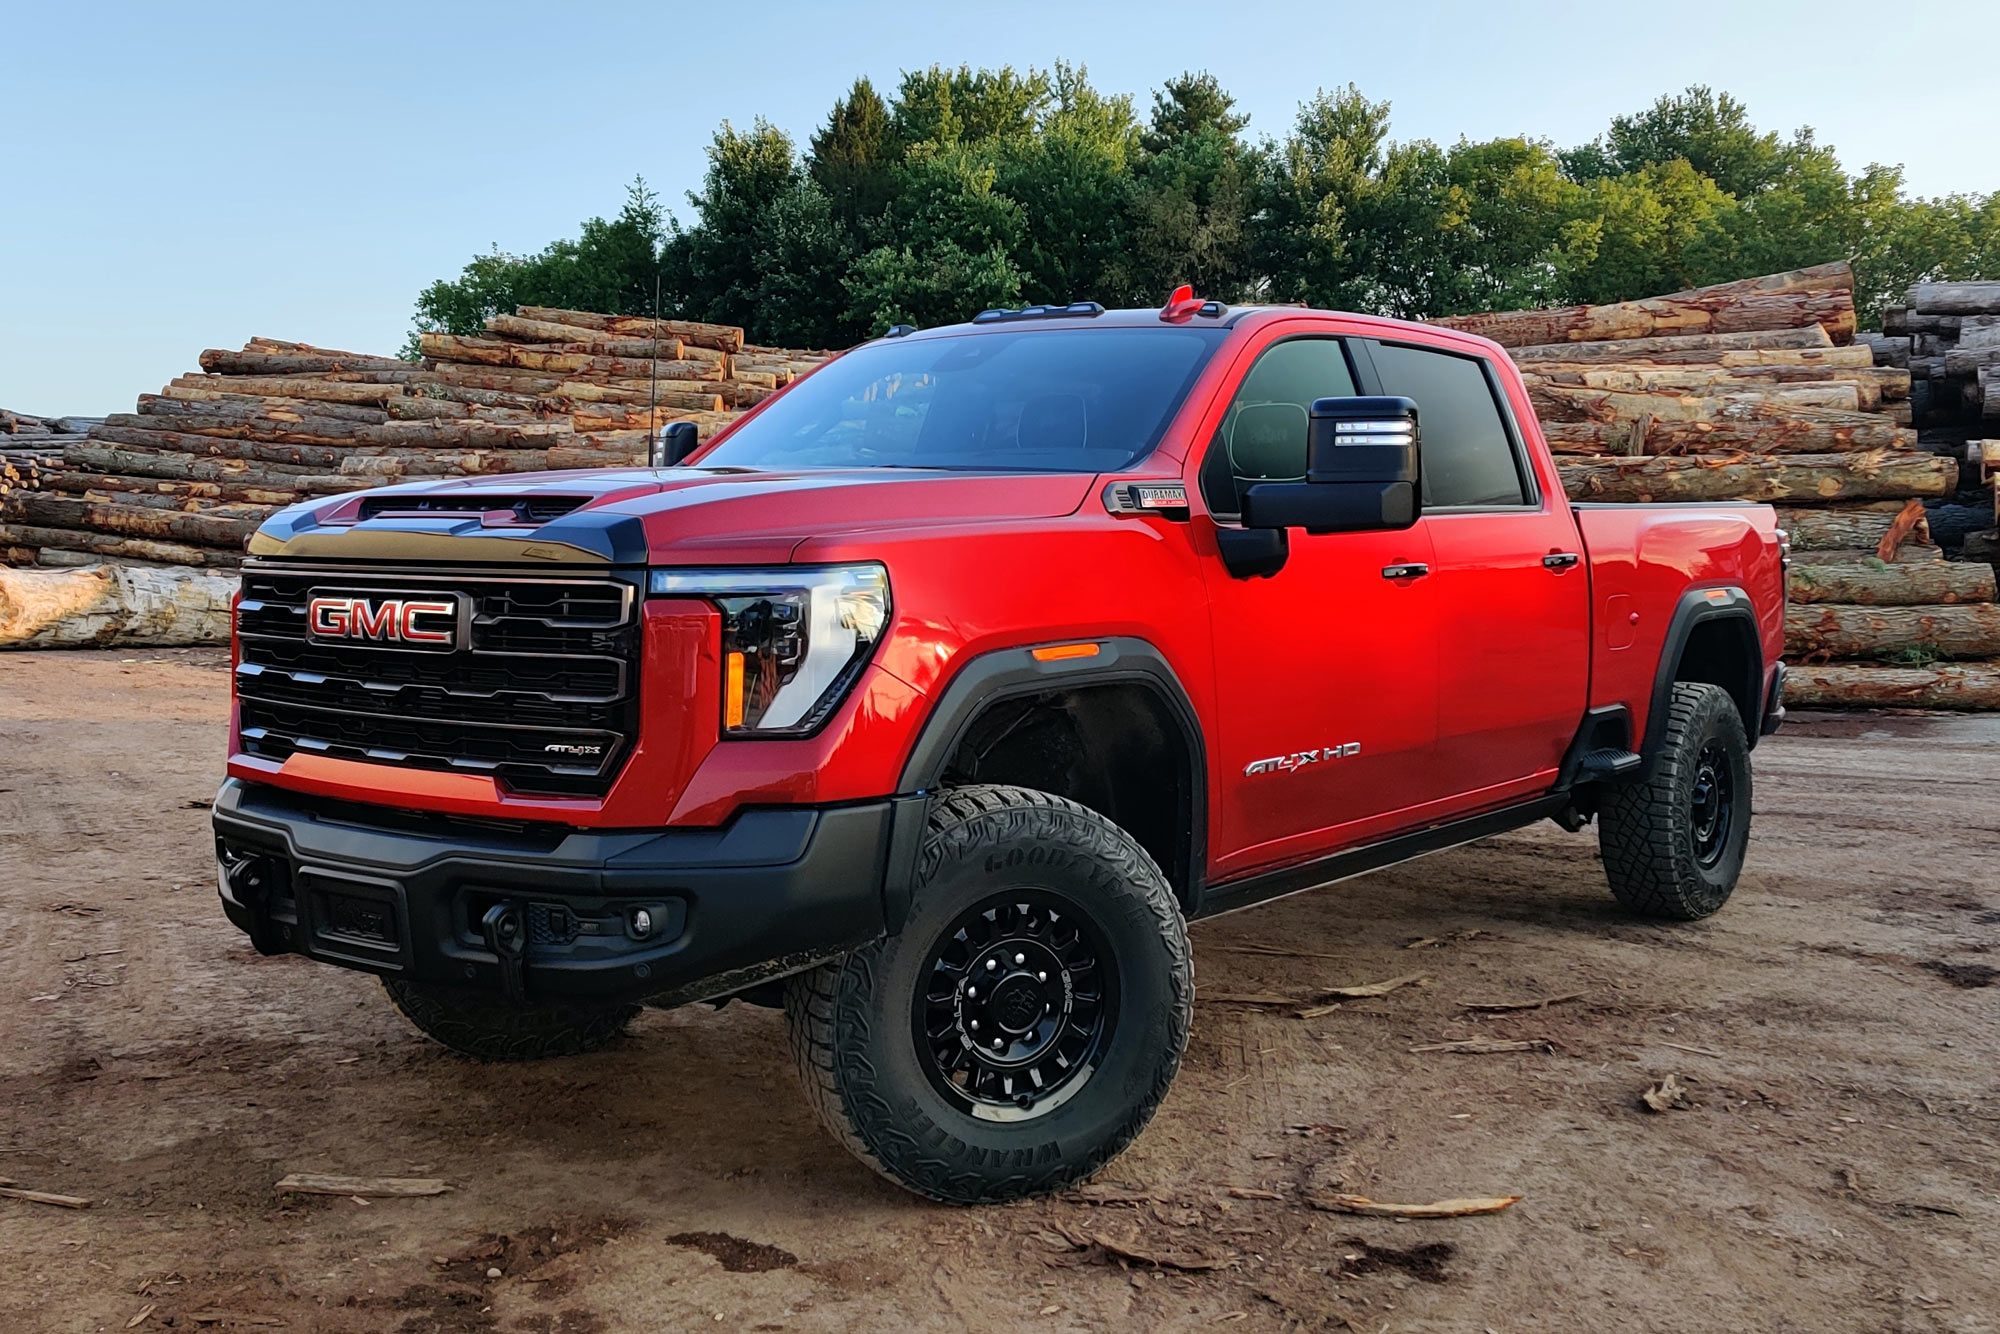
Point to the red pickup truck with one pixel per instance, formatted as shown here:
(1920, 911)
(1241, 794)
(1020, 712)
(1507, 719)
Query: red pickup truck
(933, 699)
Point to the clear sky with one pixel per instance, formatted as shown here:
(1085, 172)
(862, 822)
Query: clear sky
(174, 177)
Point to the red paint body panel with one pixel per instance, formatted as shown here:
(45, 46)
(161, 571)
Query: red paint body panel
(1460, 691)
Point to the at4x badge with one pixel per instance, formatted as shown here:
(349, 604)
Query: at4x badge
(1299, 759)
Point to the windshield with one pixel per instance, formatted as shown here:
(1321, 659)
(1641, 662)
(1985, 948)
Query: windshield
(1029, 400)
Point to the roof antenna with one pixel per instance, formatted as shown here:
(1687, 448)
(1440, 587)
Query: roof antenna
(653, 390)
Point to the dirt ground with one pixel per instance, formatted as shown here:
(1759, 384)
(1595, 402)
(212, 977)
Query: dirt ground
(1834, 1028)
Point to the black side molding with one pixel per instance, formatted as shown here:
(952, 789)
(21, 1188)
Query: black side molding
(1234, 894)
(1701, 606)
(1012, 672)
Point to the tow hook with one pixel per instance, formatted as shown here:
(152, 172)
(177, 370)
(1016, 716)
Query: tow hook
(507, 936)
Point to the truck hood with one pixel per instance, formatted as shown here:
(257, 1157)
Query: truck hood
(674, 516)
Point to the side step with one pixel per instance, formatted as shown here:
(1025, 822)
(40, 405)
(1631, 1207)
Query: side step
(1603, 765)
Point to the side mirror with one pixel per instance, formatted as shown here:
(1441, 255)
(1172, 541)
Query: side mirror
(676, 442)
(1361, 472)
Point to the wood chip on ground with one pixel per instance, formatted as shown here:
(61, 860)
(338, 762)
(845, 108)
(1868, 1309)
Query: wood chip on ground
(314, 1183)
(1454, 1208)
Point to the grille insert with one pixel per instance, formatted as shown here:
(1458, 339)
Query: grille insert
(542, 695)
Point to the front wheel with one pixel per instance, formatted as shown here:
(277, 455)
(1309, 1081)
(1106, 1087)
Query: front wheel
(1673, 841)
(1024, 1025)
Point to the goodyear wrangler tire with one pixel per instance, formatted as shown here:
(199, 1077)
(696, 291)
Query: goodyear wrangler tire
(1673, 841)
(474, 1024)
(1024, 1025)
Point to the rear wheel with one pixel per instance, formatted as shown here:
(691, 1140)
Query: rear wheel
(1673, 841)
(475, 1024)
(1024, 1025)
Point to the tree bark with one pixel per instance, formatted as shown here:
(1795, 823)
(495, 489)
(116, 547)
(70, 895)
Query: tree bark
(1823, 295)
(1879, 584)
(220, 361)
(1850, 528)
(724, 337)
(254, 407)
(1971, 686)
(163, 490)
(495, 352)
(1872, 384)
(624, 419)
(139, 463)
(1968, 631)
(463, 435)
(114, 547)
(289, 386)
(1955, 298)
(308, 431)
(388, 464)
(46, 510)
(1578, 403)
(1799, 478)
(306, 457)
(1754, 427)
(103, 606)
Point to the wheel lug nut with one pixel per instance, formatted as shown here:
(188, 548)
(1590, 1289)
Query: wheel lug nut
(972, 991)
(998, 1044)
(1020, 959)
(991, 964)
(1041, 977)
(975, 1025)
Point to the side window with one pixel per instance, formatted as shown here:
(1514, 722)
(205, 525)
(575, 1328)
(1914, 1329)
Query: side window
(1468, 457)
(1262, 437)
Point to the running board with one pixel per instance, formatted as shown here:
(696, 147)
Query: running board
(1604, 765)
(1237, 894)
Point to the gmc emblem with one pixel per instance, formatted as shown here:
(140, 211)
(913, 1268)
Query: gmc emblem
(419, 622)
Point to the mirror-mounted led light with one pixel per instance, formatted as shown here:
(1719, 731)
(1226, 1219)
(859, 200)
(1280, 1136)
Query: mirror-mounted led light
(794, 638)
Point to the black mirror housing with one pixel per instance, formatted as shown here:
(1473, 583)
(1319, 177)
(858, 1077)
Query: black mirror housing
(677, 441)
(1362, 471)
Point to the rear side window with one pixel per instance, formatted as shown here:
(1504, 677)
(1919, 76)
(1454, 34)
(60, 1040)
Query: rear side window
(1468, 457)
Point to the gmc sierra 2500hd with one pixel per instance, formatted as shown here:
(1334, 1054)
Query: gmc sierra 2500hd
(933, 699)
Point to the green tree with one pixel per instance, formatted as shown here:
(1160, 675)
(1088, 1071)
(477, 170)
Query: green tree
(1303, 241)
(853, 155)
(712, 268)
(610, 266)
(1070, 180)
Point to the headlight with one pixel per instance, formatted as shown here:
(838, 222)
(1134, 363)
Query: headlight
(794, 639)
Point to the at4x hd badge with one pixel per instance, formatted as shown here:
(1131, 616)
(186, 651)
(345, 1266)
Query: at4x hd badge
(1299, 759)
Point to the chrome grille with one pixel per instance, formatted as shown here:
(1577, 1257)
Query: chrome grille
(542, 694)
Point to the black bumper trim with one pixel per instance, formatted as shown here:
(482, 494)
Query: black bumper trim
(772, 892)
(1774, 707)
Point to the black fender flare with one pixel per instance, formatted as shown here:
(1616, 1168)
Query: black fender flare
(1700, 606)
(1001, 674)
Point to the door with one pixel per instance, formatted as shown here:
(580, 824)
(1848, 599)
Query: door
(1326, 672)
(1507, 571)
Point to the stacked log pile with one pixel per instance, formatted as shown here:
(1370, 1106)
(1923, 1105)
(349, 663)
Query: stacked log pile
(1758, 390)
(1948, 336)
(187, 477)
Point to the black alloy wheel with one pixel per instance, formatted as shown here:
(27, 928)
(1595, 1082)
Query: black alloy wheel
(1712, 803)
(1019, 1001)
(1023, 1024)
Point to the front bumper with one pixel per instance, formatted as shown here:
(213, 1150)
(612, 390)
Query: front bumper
(528, 911)
(1774, 706)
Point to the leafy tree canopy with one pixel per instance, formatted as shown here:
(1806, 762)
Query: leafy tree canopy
(967, 188)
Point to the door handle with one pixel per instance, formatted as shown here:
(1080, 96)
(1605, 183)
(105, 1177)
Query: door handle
(1559, 560)
(1413, 570)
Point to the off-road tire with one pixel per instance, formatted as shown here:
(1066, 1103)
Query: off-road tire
(1648, 828)
(475, 1024)
(852, 1026)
